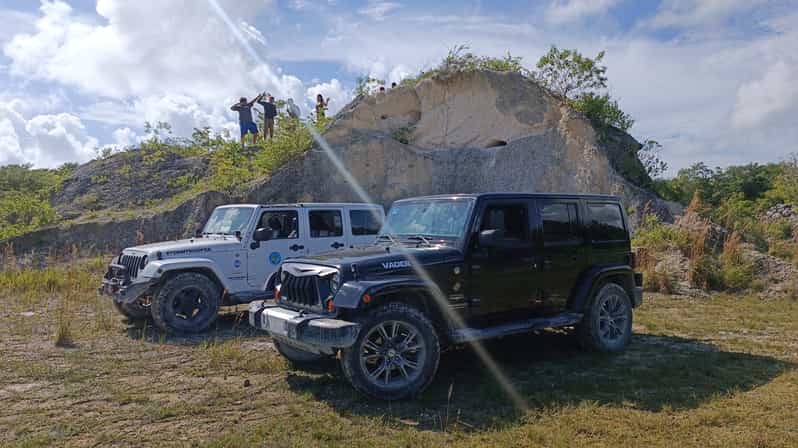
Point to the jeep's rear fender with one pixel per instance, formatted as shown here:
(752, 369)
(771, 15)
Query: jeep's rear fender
(159, 269)
(589, 282)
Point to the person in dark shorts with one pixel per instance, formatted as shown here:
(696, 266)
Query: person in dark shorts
(245, 121)
(269, 112)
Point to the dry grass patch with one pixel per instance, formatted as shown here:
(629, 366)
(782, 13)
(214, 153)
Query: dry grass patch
(711, 372)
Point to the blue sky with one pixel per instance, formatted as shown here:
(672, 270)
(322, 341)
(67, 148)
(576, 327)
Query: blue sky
(712, 80)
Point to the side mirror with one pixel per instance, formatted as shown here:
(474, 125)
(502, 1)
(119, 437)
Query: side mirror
(198, 233)
(490, 237)
(262, 234)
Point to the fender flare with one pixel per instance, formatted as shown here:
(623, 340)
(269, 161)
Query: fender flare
(158, 269)
(588, 283)
(351, 293)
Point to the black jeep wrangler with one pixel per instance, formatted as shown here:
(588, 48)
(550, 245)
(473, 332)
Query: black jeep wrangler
(447, 270)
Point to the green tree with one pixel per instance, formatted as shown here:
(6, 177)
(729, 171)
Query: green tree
(569, 74)
(602, 110)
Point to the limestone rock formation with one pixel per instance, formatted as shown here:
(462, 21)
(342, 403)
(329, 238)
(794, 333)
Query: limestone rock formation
(467, 132)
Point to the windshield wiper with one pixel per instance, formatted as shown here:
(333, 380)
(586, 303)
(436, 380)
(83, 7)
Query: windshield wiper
(420, 238)
(390, 237)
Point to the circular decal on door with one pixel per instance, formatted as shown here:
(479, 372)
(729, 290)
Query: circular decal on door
(275, 258)
(237, 264)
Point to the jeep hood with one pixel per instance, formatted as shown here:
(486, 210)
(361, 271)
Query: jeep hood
(188, 247)
(381, 260)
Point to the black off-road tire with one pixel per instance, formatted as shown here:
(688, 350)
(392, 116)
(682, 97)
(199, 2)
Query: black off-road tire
(297, 357)
(607, 324)
(133, 311)
(192, 287)
(416, 382)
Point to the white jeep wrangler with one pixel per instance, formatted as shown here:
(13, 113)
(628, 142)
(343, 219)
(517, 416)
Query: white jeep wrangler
(182, 284)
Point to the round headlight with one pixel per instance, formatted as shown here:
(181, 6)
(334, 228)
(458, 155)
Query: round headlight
(335, 282)
(144, 262)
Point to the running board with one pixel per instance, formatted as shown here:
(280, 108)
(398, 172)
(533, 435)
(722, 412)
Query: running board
(475, 334)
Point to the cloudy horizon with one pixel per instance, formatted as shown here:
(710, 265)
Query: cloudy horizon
(713, 81)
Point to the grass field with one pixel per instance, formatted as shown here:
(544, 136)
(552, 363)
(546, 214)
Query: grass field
(699, 372)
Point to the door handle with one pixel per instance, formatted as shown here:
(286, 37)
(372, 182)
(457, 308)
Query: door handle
(296, 247)
(336, 245)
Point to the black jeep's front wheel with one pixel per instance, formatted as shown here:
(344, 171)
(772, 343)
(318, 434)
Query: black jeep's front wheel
(395, 355)
(186, 303)
(607, 324)
(139, 309)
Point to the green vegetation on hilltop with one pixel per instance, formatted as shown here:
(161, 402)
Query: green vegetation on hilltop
(25, 197)
(26, 193)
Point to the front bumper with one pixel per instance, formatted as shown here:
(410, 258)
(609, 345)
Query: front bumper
(310, 332)
(123, 292)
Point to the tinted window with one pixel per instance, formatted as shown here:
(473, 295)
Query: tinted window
(325, 223)
(510, 219)
(606, 222)
(283, 224)
(365, 222)
(560, 222)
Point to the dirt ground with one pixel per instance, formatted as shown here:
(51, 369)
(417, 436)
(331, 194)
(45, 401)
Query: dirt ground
(716, 371)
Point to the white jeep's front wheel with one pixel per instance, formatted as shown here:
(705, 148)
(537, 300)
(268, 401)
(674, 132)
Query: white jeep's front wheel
(186, 303)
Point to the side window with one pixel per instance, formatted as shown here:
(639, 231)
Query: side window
(283, 224)
(364, 222)
(325, 223)
(511, 219)
(560, 222)
(606, 222)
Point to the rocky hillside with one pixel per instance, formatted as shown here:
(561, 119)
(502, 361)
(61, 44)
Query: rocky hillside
(468, 132)
(459, 133)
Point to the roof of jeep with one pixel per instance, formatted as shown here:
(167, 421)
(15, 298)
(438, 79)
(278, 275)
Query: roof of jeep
(306, 205)
(500, 195)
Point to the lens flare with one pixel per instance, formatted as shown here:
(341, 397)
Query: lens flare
(432, 287)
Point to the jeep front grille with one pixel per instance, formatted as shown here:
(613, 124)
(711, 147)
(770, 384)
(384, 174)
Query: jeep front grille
(301, 291)
(133, 263)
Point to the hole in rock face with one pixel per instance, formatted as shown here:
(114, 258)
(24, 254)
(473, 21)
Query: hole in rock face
(383, 117)
(495, 142)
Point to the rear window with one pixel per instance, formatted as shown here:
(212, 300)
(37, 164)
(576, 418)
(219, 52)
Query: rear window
(560, 222)
(325, 223)
(365, 222)
(606, 222)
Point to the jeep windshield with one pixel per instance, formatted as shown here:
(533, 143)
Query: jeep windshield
(227, 221)
(428, 220)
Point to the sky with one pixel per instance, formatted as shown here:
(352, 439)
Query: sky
(711, 80)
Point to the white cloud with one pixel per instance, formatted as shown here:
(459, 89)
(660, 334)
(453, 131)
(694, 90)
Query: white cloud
(691, 13)
(10, 151)
(333, 90)
(45, 140)
(563, 11)
(775, 93)
(377, 10)
(125, 137)
(190, 52)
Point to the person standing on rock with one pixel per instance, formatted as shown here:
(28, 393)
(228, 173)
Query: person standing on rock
(269, 112)
(245, 122)
(321, 107)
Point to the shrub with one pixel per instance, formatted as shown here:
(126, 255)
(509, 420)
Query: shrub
(657, 236)
(738, 272)
(705, 273)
